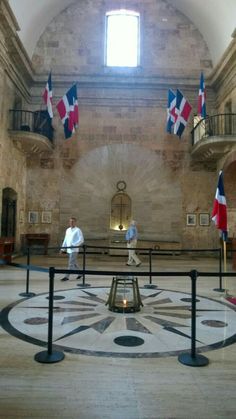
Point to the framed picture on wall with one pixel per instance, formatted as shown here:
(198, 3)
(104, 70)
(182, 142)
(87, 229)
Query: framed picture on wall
(21, 216)
(33, 217)
(204, 219)
(191, 220)
(46, 217)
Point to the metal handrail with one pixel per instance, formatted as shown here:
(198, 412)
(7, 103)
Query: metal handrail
(215, 125)
(37, 122)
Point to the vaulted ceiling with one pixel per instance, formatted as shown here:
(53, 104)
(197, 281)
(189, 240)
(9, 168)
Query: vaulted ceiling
(215, 19)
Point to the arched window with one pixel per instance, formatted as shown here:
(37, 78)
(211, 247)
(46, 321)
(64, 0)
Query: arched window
(120, 211)
(122, 38)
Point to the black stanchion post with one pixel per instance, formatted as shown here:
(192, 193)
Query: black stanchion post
(150, 285)
(49, 356)
(84, 267)
(220, 289)
(192, 359)
(27, 293)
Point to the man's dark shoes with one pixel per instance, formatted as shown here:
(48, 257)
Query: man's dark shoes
(79, 276)
(65, 278)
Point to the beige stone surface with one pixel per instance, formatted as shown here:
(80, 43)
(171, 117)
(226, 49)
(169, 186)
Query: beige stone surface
(121, 135)
(88, 387)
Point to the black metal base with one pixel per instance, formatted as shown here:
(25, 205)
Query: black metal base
(151, 286)
(121, 309)
(83, 285)
(219, 289)
(196, 361)
(27, 294)
(46, 358)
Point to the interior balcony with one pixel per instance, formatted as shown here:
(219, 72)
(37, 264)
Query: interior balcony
(31, 132)
(213, 137)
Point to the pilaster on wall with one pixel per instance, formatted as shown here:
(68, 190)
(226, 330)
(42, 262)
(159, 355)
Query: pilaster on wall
(15, 79)
(13, 56)
(223, 77)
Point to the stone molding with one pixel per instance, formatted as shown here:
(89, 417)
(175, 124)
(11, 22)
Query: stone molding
(13, 56)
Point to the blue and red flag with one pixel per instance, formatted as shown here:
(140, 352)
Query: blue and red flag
(182, 110)
(47, 96)
(69, 111)
(171, 115)
(201, 110)
(219, 212)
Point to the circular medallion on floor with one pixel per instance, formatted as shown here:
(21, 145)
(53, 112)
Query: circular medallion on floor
(83, 324)
(128, 341)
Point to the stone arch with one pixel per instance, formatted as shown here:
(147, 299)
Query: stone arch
(231, 157)
(88, 187)
(121, 206)
(230, 191)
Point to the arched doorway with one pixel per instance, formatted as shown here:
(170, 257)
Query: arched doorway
(8, 222)
(120, 211)
(230, 193)
(120, 208)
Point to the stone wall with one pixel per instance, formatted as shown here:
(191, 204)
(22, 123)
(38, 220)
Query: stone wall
(74, 41)
(121, 135)
(122, 124)
(13, 175)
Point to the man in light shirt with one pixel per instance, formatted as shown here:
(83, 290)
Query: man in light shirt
(131, 238)
(73, 237)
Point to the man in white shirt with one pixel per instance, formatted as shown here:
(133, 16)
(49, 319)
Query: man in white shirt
(73, 237)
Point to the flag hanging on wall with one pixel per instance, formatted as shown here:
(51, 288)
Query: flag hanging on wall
(171, 115)
(219, 212)
(182, 111)
(47, 96)
(69, 111)
(202, 98)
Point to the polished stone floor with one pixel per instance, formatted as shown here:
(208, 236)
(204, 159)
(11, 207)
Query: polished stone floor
(117, 365)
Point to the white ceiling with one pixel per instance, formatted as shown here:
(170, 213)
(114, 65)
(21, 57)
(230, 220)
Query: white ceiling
(216, 20)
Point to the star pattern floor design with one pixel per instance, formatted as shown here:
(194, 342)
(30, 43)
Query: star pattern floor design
(83, 324)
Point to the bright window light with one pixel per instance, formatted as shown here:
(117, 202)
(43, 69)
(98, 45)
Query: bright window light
(122, 38)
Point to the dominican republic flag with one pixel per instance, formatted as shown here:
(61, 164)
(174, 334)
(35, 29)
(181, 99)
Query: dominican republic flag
(201, 110)
(171, 115)
(182, 110)
(219, 212)
(69, 111)
(47, 96)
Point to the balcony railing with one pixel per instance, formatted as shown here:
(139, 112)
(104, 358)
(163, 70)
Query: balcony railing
(36, 122)
(214, 126)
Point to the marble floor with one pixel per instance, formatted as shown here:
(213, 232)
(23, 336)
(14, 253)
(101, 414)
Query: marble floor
(117, 364)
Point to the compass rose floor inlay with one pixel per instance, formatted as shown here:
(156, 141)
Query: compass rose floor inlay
(83, 324)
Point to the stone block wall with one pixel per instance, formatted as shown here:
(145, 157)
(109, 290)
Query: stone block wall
(74, 42)
(121, 135)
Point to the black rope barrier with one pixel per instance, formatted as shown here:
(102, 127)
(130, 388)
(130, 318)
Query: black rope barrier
(84, 284)
(50, 356)
(220, 289)
(27, 293)
(149, 252)
(193, 359)
(150, 285)
(154, 252)
(190, 358)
